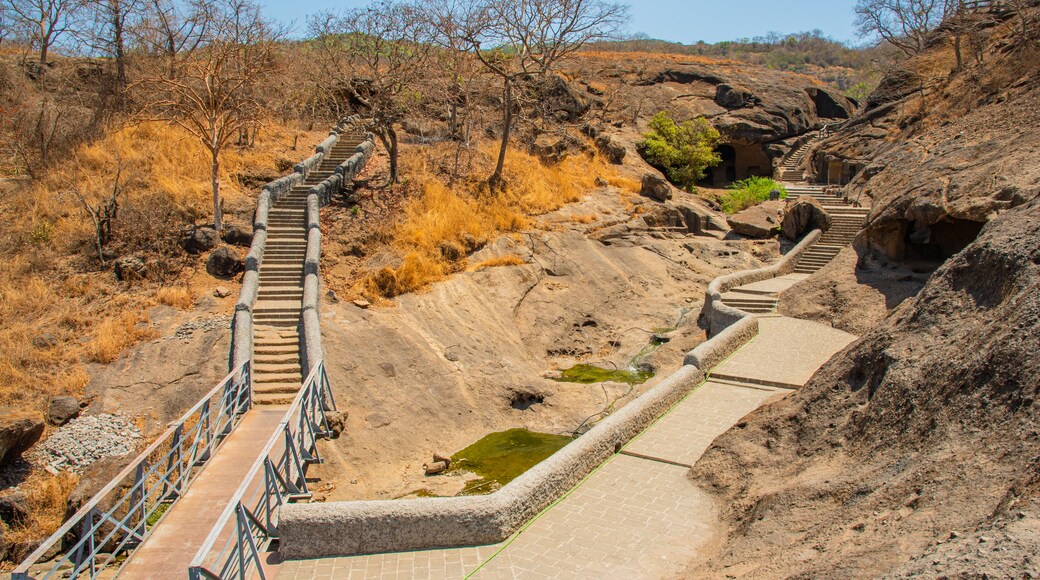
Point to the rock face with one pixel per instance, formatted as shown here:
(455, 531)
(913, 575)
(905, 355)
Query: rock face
(62, 409)
(19, 430)
(931, 415)
(758, 221)
(804, 216)
(656, 187)
(734, 97)
(223, 263)
(198, 239)
(611, 148)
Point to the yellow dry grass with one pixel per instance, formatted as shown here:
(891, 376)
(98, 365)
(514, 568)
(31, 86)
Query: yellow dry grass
(441, 224)
(176, 296)
(582, 219)
(46, 497)
(507, 260)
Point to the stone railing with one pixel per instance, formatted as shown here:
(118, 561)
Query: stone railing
(319, 195)
(242, 324)
(720, 316)
(368, 527)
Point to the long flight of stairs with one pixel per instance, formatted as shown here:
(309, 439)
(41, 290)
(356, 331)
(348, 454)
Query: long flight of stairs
(791, 170)
(846, 222)
(277, 375)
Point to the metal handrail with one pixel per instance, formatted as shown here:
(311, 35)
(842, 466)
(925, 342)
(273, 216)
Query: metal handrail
(123, 514)
(249, 522)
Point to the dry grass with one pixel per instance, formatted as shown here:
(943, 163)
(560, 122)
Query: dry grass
(46, 496)
(507, 260)
(442, 224)
(176, 296)
(582, 219)
(114, 335)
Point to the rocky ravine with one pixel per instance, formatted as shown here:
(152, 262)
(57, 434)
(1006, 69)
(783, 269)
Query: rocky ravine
(914, 451)
(471, 356)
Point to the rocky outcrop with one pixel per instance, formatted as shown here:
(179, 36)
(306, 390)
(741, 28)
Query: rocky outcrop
(656, 187)
(758, 221)
(804, 216)
(199, 239)
(611, 148)
(734, 97)
(19, 430)
(223, 263)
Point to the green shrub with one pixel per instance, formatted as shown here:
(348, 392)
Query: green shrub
(748, 192)
(683, 151)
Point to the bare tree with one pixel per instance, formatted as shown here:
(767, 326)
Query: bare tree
(515, 39)
(378, 55)
(112, 23)
(173, 28)
(904, 24)
(102, 213)
(213, 93)
(44, 22)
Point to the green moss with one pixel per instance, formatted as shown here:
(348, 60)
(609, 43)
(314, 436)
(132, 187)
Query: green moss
(588, 374)
(501, 457)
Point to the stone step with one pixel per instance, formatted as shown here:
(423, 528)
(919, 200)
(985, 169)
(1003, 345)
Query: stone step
(277, 389)
(277, 368)
(277, 378)
(278, 358)
(273, 399)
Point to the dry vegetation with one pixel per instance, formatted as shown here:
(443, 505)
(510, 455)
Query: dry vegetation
(443, 222)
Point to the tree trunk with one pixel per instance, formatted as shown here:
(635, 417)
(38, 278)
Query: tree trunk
(218, 218)
(120, 54)
(44, 48)
(393, 153)
(496, 180)
(957, 51)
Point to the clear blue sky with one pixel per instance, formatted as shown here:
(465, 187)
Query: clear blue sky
(676, 20)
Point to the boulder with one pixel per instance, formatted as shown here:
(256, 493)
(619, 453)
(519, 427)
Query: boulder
(61, 410)
(554, 148)
(611, 148)
(129, 268)
(804, 216)
(656, 187)
(734, 96)
(198, 239)
(222, 292)
(337, 421)
(237, 236)
(14, 509)
(759, 221)
(19, 430)
(699, 220)
(223, 263)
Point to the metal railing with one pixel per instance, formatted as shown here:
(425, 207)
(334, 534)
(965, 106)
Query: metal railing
(120, 516)
(249, 523)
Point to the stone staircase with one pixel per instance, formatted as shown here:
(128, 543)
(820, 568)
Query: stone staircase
(277, 374)
(847, 221)
(791, 170)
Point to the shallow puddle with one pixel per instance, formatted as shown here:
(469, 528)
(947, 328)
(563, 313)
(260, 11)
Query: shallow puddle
(501, 457)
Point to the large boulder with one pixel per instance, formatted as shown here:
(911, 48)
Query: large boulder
(555, 147)
(223, 263)
(14, 509)
(656, 187)
(758, 221)
(199, 239)
(611, 148)
(19, 430)
(237, 236)
(61, 410)
(804, 216)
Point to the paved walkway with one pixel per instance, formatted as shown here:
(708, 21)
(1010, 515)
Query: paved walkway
(637, 516)
(173, 544)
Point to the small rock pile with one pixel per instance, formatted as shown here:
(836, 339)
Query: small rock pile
(186, 330)
(85, 440)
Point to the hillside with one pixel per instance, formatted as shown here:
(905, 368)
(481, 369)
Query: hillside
(912, 452)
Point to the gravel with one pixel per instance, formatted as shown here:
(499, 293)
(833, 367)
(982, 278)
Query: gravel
(85, 440)
(186, 330)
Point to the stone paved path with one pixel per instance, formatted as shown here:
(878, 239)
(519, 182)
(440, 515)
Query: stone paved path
(637, 516)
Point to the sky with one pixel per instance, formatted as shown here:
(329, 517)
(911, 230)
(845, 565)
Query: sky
(686, 21)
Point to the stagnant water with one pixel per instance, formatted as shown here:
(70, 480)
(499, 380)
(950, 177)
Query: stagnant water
(501, 457)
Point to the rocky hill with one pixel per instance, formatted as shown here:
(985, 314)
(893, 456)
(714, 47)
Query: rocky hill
(914, 451)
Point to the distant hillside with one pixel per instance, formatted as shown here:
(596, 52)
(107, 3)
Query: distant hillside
(853, 70)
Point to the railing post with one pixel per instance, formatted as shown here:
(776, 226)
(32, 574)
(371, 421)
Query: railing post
(175, 456)
(137, 496)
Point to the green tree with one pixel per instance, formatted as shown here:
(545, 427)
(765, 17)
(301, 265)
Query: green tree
(683, 151)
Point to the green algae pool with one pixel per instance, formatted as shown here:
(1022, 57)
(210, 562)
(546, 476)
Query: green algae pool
(501, 457)
(587, 374)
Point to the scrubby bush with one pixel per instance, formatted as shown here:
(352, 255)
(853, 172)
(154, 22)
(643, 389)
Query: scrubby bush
(683, 151)
(748, 192)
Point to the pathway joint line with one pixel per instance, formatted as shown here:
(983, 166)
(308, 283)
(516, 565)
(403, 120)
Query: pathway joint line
(655, 459)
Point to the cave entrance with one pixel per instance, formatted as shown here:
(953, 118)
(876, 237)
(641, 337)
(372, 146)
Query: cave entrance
(931, 245)
(738, 162)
